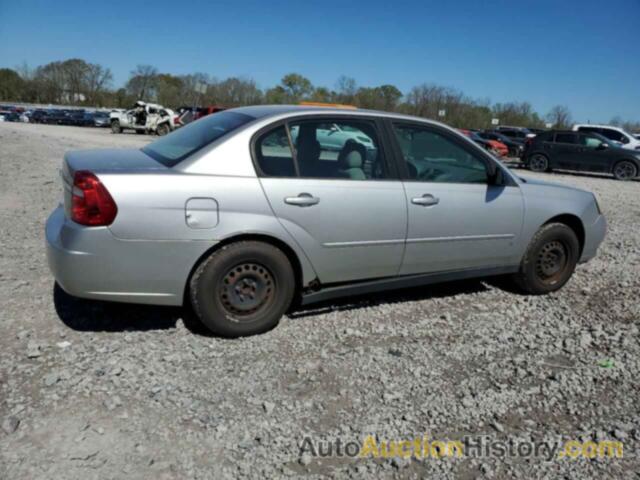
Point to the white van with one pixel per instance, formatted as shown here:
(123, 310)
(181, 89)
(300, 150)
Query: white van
(616, 134)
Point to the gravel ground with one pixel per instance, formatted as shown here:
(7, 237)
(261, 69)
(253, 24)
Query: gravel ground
(96, 390)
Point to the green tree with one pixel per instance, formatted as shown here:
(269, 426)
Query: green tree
(296, 87)
(12, 86)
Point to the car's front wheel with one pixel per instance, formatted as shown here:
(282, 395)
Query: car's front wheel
(550, 259)
(163, 129)
(625, 170)
(115, 126)
(242, 289)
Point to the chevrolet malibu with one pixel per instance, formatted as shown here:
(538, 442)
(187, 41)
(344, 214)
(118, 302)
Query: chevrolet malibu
(235, 216)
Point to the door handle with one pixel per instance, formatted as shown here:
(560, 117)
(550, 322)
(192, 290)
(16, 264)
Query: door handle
(425, 200)
(302, 200)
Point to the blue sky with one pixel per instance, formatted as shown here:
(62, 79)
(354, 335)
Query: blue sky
(581, 53)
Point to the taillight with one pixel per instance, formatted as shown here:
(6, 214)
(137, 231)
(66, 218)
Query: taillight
(91, 202)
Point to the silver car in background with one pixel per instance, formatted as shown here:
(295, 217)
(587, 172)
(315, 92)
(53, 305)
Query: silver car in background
(237, 217)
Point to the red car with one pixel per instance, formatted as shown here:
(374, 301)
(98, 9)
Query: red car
(494, 146)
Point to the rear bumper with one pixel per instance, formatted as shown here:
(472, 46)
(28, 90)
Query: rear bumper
(93, 263)
(594, 235)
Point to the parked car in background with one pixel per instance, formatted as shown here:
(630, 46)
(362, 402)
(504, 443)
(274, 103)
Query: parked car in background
(616, 134)
(243, 226)
(101, 119)
(517, 133)
(144, 118)
(80, 118)
(583, 151)
(494, 146)
(9, 116)
(186, 115)
(515, 146)
(39, 116)
(56, 117)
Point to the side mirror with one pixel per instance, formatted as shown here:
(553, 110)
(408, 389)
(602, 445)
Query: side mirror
(602, 146)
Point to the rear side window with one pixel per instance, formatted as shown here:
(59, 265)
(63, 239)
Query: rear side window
(343, 149)
(178, 145)
(274, 155)
(566, 138)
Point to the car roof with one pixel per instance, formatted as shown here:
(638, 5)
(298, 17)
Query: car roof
(613, 127)
(266, 111)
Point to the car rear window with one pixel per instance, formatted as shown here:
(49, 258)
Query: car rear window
(178, 145)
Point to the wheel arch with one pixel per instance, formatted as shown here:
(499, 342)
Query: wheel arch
(574, 223)
(635, 161)
(281, 245)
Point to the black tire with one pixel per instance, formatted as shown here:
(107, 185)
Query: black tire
(625, 170)
(115, 126)
(538, 162)
(163, 129)
(242, 289)
(550, 259)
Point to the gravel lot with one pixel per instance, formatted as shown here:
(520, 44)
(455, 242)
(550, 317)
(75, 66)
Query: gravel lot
(95, 390)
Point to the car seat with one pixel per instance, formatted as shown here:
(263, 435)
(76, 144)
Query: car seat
(351, 160)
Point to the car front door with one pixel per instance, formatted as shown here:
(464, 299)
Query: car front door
(345, 207)
(458, 220)
(596, 156)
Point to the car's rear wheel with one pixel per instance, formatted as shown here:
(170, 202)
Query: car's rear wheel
(242, 289)
(538, 163)
(115, 127)
(163, 129)
(550, 259)
(625, 170)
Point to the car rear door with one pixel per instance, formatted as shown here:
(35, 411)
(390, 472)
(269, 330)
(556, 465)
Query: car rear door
(457, 220)
(567, 152)
(346, 209)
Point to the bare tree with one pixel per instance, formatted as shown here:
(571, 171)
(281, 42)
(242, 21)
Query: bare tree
(559, 116)
(142, 82)
(97, 82)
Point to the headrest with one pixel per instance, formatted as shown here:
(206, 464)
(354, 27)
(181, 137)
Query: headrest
(352, 155)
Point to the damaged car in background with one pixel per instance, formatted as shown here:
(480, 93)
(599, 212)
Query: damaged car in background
(144, 118)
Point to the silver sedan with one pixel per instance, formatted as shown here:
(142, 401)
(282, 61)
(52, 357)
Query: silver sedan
(242, 219)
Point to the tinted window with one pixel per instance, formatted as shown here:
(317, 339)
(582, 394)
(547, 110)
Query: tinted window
(178, 145)
(341, 148)
(613, 135)
(544, 137)
(273, 154)
(566, 138)
(433, 157)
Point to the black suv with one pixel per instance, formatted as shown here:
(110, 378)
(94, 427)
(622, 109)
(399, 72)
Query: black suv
(585, 151)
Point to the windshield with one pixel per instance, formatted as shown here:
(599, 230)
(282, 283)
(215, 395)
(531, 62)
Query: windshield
(175, 147)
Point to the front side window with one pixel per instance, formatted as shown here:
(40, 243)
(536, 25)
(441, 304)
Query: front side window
(340, 149)
(433, 157)
(178, 145)
(591, 141)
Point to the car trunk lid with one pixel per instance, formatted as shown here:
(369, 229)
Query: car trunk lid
(103, 161)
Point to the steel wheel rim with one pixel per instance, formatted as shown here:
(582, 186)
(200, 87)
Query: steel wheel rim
(538, 163)
(624, 170)
(552, 262)
(246, 289)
